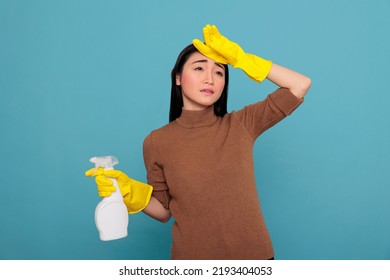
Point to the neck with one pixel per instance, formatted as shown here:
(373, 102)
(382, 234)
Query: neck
(197, 118)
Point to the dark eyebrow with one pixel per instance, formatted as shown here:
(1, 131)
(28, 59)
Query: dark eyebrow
(204, 60)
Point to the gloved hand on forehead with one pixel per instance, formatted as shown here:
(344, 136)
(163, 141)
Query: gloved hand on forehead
(222, 50)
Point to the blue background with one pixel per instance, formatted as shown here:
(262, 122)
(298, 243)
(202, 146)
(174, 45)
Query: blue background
(85, 78)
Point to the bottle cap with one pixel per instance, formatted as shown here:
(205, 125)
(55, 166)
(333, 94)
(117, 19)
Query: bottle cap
(107, 162)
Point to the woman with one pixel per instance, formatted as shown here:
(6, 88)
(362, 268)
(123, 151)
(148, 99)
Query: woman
(200, 165)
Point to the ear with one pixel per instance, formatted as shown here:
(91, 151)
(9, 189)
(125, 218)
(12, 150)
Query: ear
(178, 83)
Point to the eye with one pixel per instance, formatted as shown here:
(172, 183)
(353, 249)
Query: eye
(219, 73)
(199, 68)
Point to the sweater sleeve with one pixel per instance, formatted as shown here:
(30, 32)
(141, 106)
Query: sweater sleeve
(155, 173)
(264, 114)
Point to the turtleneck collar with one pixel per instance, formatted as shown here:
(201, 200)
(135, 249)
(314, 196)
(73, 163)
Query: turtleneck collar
(195, 119)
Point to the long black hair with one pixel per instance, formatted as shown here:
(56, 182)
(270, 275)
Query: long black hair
(220, 107)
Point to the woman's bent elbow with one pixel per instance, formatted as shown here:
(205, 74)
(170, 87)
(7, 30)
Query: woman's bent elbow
(304, 86)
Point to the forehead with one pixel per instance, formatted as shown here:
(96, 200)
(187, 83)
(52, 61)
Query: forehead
(198, 57)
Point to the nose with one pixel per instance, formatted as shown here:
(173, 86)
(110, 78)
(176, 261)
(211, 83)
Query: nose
(209, 78)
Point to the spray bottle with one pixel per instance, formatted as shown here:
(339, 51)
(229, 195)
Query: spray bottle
(111, 215)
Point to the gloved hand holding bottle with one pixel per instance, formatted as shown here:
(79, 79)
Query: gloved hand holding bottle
(222, 50)
(136, 195)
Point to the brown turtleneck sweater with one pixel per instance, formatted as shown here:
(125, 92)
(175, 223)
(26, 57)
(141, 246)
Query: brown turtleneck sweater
(201, 168)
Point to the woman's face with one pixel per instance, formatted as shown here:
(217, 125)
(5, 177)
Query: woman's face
(202, 82)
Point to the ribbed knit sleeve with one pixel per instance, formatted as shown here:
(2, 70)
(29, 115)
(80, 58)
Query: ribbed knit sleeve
(155, 173)
(262, 115)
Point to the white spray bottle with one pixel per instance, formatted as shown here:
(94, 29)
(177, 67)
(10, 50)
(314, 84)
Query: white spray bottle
(111, 214)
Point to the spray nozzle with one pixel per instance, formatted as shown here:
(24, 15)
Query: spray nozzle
(107, 162)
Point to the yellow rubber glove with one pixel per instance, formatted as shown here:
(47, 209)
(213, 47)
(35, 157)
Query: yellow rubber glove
(136, 195)
(222, 50)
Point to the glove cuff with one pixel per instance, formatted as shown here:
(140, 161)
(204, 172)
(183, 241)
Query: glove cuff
(255, 67)
(138, 197)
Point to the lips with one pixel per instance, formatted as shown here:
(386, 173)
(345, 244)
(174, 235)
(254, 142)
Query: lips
(207, 91)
